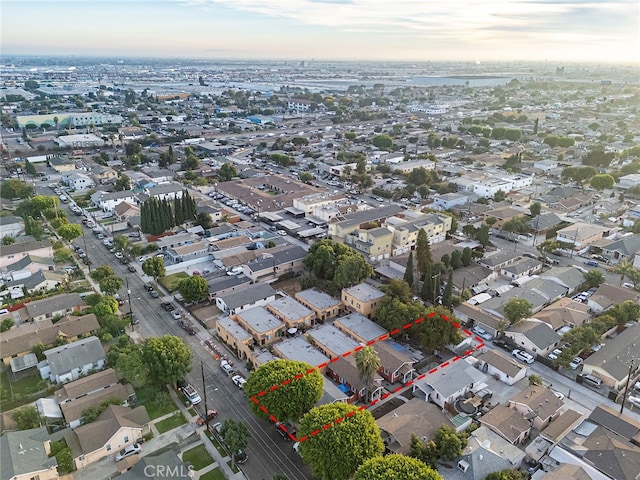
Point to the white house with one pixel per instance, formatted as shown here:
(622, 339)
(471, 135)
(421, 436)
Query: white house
(69, 362)
(299, 105)
(86, 140)
(77, 181)
(256, 295)
(448, 384)
(501, 367)
(107, 201)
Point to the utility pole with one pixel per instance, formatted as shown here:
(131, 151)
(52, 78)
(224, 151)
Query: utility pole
(204, 394)
(130, 306)
(84, 240)
(626, 387)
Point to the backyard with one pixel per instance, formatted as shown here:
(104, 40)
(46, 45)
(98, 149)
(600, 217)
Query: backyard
(171, 282)
(19, 392)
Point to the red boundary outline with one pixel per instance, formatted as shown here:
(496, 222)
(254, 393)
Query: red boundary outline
(386, 336)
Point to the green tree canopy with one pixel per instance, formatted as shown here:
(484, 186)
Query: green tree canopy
(602, 181)
(123, 182)
(423, 252)
(383, 142)
(14, 188)
(395, 467)
(336, 263)
(287, 402)
(102, 272)
(535, 208)
(106, 306)
(69, 231)
(235, 436)
(227, 172)
(508, 475)
(408, 273)
(517, 309)
(194, 289)
(167, 357)
(353, 438)
(593, 278)
(154, 267)
(133, 367)
(26, 417)
(110, 285)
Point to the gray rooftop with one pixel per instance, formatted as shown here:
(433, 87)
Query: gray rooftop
(234, 329)
(361, 326)
(364, 292)
(522, 265)
(297, 348)
(287, 255)
(617, 354)
(53, 304)
(498, 259)
(259, 319)
(332, 339)
(252, 294)
(65, 358)
(449, 380)
(540, 334)
(290, 309)
(365, 216)
(227, 281)
(318, 299)
(23, 452)
(22, 247)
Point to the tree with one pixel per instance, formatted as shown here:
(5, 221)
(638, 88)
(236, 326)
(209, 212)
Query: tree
(383, 142)
(336, 264)
(482, 235)
(289, 401)
(456, 259)
(110, 285)
(603, 181)
(69, 231)
(235, 436)
(194, 289)
(205, 221)
(426, 452)
(26, 417)
(625, 269)
(467, 257)
(447, 294)
(305, 176)
(227, 172)
(517, 309)
(408, 273)
(535, 208)
(351, 270)
(499, 196)
(353, 437)
(450, 443)
(167, 357)
(13, 188)
(133, 367)
(154, 267)
(593, 279)
(508, 474)
(534, 379)
(105, 307)
(393, 467)
(423, 252)
(368, 363)
(6, 324)
(102, 272)
(29, 168)
(8, 240)
(120, 242)
(547, 247)
(122, 183)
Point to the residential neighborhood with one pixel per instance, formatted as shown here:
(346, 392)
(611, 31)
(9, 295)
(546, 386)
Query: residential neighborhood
(199, 264)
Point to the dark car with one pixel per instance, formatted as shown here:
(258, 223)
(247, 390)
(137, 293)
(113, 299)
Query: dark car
(148, 287)
(503, 345)
(168, 306)
(154, 294)
(286, 430)
(87, 261)
(131, 268)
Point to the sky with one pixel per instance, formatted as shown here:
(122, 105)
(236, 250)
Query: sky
(386, 30)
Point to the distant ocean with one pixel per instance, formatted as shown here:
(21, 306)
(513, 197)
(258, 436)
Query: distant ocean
(462, 80)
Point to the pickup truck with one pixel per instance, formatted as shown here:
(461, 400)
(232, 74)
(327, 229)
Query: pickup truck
(190, 394)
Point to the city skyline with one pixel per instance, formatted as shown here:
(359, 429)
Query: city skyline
(402, 30)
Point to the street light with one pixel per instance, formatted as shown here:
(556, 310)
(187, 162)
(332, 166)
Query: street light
(130, 307)
(86, 251)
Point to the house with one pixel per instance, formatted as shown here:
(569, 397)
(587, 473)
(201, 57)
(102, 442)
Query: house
(116, 428)
(580, 235)
(341, 227)
(538, 404)
(25, 455)
(501, 366)
(41, 281)
(544, 222)
(324, 305)
(10, 254)
(125, 210)
(362, 298)
(178, 240)
(264, 327)
(473, 315)
(234, 335)
(448, 384)
(562, 425)
(521, 268)
(55, 306)
(611, 363)
(486, 452)
(628, 181)
(537, 338)
(624, 248)
(61, 165)
(503, 215)
(609, 295)
(77, 181)
(565, 311)
(373, 243)
(166, 191)
(27, 266)
(617, 422)
(102, 174)
(191, 251)
(293, 314)
(359, 328)
(405, 229)
(11, 226)
(414, 417)
(68, 362)
(331, 341)
(349, 379)
(299, 105)
(254, 296)
(107, 201)
(19, 341)
(508, 423)
(395, 364)
(499, 261)
(74, 398)
(568, 277)
(226, 284)
(276, 264)
(297, 348)
(81, 140)
(449, 200)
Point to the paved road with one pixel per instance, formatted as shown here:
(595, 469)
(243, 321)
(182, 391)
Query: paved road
(268, 453)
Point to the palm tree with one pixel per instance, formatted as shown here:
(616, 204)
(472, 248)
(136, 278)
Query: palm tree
(121, 138)
(625, 268)
(368, 363)
(112, 139)
(56, 120)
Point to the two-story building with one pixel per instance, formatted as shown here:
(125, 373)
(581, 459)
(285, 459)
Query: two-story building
(538, 404)
(264, 327)
(448, 384)
(256, 295)
(235, 336)
(323, 305)
(580, 235)
(107, 201)
(292, 313)
(362, 298)
(69, 362)
(25, 455)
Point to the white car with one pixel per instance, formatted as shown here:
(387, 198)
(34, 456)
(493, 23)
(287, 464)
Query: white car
(575, 363)
(554, 355)
(281, 232)
(634, 400)
(482, 333)
(176, 315)
(239, 381)
(128, 451)
(559, 395)
(523, 356)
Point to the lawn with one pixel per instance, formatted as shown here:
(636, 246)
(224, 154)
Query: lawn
(217, 444)
(214, 474)
(172, 422)
(14, 394)
(157, 403)
(171, 282)
(198, 456)
(192, 412)
(234, 468)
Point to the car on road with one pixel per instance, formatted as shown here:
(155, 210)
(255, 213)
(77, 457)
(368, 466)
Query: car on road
(286, 430)
(636, 387)
(635, 401)
(575, 363)
(238, 380)
(176, 314)
(148, 287)
(131, 268)
(523, 356)
(482, 333)
(591, 263)
(154, 294)
(119, 254)
(226, 367)
(281, 232)
(128, 451)
(87, 261)
(558, 395)
(191, 394)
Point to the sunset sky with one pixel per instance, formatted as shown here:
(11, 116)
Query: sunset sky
(411, 30)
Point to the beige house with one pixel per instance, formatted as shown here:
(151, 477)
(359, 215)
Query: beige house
(125, 210)
(374, 243)
(508, 423)
(405, 230)
(538, 404)
(323, 305)
(580, 234)
(292, 313)
(564, 312)
(362, 298)
(263, 327)
(50, 307)
(102, 174)
(611, 363)
(25, 455)
(239, 339)
(116, 428)
(10, 254)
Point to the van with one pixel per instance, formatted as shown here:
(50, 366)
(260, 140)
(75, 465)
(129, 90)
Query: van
(592, 381)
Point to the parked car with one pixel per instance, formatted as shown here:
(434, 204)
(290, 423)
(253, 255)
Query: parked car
(239, 381)
(128, 451)
(554, 355)
(482, 333)
(286, 430)
(176, 314)
(131, 268)
(226, 367)
(523, 356)
(190, 394)
(575, 363)
(635, 401)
